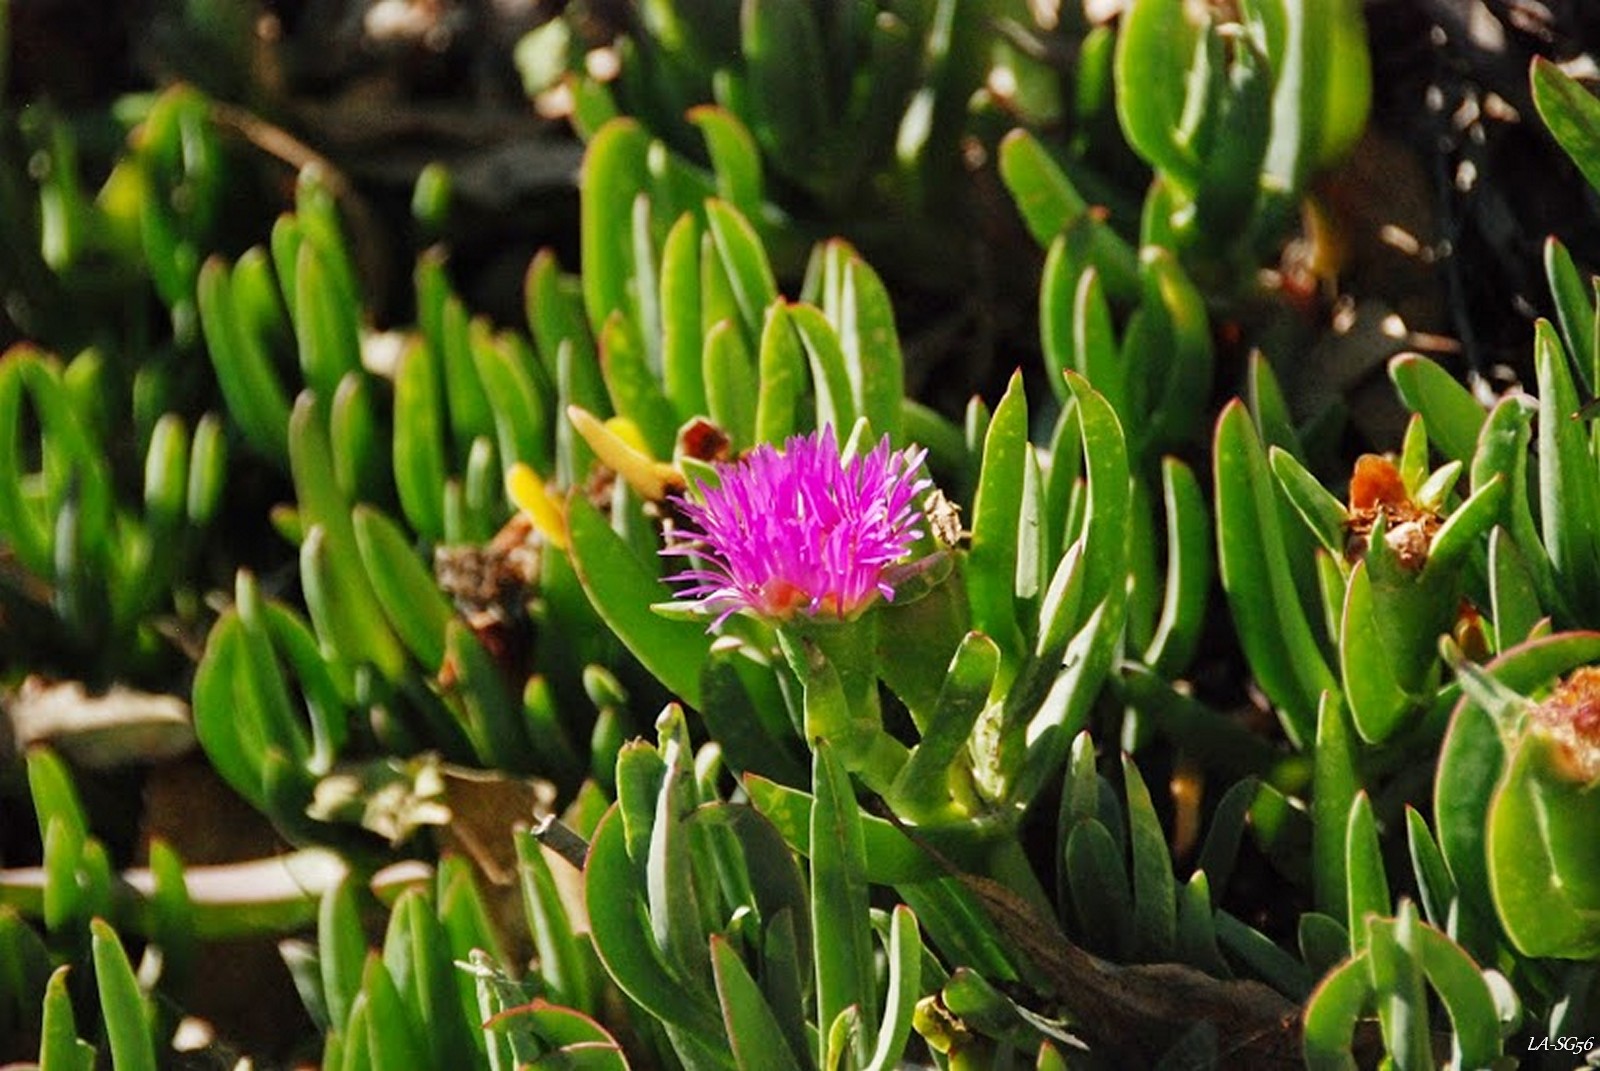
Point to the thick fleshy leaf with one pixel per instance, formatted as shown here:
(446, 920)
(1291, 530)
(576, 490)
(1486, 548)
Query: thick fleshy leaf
(622, 590)
(731, 384)
(754, 1036)
(614, 894)
(1378, 699)
(1154, 890)
(121, 1003)
(1574, 298)
(830, 377)
(1454, 417)
(255, 395)
(782, 376)
(1569, 488)
(1467, 997)
(1472, 757)
(407, 591)
(1337, 780)
(1051, 204)
(1367, 887)
(614, 171)
(842, 938)
(1339, 1001)
(904, 955)
(745, 261)
(1101, 894)
(1256, 575)
(991, 563)
(1324, 514)
(734, 157)
(1543, 879)
(1189, 574)
(1155, 47)
(923, 782)
(1572, 114)
(419, 440)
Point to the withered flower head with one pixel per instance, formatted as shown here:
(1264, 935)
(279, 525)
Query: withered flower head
(1570, 720)
(1377, 489)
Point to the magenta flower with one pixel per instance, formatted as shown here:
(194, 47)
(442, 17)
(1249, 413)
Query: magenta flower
(800, 530)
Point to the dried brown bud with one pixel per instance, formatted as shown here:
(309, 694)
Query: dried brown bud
(1376, 488)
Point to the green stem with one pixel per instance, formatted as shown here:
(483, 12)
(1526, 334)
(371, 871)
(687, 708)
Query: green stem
(836, 662)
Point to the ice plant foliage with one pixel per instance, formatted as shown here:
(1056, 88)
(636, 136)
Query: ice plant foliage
(801, 529)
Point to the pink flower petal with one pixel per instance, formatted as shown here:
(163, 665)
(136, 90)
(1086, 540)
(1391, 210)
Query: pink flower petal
(800, 530)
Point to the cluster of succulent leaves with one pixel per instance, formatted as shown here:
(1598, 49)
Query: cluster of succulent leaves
(825, 851)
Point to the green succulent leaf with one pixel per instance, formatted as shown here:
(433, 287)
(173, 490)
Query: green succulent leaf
(419, 441)
(1339, 1001)
(121, 1003)
(633, 387)
(1337, 780)
(1101, 894)
(614, 894)
(1397, 979)
(830, 376)
(1503, 450)
(1571, 113)
(255, 395)
(1323, 84)
(754, 1036)
(1324, 942)
(1183, 609)
(782, 377)
(392, 1034)
(1434, 882)
(60, 1048)
(1473, 756)
(326, 329)
(785, 64)
(565, 963)
(1155, 48)
(905, 984)
(1367, 887)
(1575, 305)
(614, 171)
(745, 261)
(406, 590)
(1569, 488)
(1154, 890)
(856, 303)
(1466, 995)
(53, 794)
(1324, 514)
(891, 857)
(732, 389)
(520, 397)
(1368, 662)
(623, 589)
(734, 157)
(682, 371)
(923, 782)
(1256, 575)
(991, 563)
(1453, 416)
(1513, 601)
(1051, 204)
(842, 939)
(346, 613)
(1542, 877)
(1463, 530)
